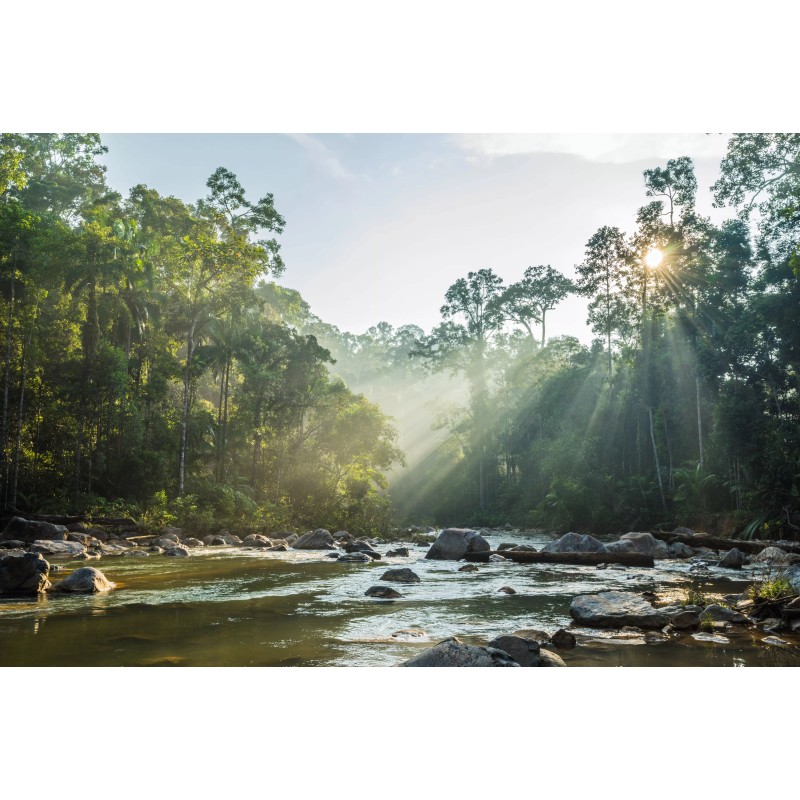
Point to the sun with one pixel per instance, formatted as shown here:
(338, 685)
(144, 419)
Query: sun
(653, 258)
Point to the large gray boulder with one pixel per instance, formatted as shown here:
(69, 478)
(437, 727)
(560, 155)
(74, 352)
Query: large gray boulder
(575, 543)
(616, 610)
(524, 651)
(86, 580)
(24, 574)
(29, 530)
(320, 539)
(772, 555)
(453, 653)
(453, 544)
(53, 548)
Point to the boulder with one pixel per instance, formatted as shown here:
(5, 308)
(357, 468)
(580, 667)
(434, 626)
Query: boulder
(320, 539)
(400, 575)
(85, 580)
(53, 548)
(680, 550)
(398, 552)
(507, 590)
(681, 531)
(563, 640)
(229, 538)
(718, 613)
(524, 651)
(24, 574)
(547, 658)
(685, 620)
(353, 558)
(192, 542)
(506, 546)
(12, 544)
(30, 530)
(278, 548)
(453, 544)
(257, 540)
(643, 542)
(86, 539)
(468, 568)
(453, 653)
(534, 633)
(615, 610)
(385, 592)
(166, 541)
(575, 543)
(171, 531)
(176, 551)
(772, 555)
(733, 559)
(524, 548)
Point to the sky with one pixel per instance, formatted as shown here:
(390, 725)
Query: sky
(378, 226)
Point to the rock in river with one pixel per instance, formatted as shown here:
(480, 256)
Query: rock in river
(85, 580)
(615, 610)
(54, 548)
(575, 543)
(320, 539)
(453, 653)
(386, 592)
(454, 543)
(24, 575)
(400, 575)
(524, 651)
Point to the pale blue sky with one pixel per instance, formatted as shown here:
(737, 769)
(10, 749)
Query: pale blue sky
(378, 226)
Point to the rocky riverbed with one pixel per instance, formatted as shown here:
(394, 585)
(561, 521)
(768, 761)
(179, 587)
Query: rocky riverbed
(330, 598)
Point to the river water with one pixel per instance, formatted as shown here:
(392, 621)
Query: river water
(238, 607)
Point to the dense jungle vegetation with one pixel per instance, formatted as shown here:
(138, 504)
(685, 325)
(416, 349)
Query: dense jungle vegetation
(152, 366)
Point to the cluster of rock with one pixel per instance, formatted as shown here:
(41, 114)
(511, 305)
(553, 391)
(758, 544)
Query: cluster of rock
(522, 649)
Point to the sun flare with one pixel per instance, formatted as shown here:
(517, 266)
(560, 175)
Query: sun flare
(653, 258)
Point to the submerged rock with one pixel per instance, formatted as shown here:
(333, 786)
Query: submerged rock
(24, 574)
(454, 543)
(468, 568)
(453, 653)
(85, 580)
(385, 592)
(398, 552)
(507, 590)
(615, 610)
(680, 550)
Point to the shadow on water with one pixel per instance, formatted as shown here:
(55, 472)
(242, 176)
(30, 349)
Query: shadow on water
(236, 607)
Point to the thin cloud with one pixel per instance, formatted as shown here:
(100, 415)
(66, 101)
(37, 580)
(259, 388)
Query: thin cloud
(322, 155)
(610, 148)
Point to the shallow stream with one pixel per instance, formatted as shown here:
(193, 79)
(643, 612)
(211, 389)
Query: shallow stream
(237, 607)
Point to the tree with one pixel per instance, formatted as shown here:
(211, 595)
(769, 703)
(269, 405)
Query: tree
(541, 289)
(603, 277)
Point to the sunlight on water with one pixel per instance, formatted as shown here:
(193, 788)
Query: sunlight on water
(238, 607)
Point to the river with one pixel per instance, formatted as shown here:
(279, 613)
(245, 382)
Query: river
(237, 607)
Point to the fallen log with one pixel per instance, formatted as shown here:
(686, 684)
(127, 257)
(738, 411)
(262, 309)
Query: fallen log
(751, 546)
(578, 559)
(114, 521)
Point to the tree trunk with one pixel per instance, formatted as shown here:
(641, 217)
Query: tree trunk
(655, 456)
(699, 420)
(185, 412)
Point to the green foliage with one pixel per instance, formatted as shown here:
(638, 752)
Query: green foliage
(771, 589)
(694, 597)
(706, 623)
